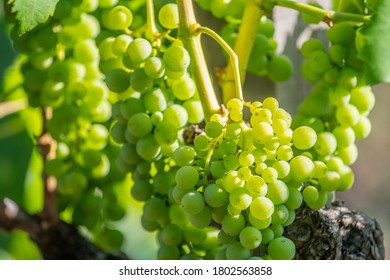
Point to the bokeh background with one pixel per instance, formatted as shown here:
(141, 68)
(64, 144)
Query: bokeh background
(19, 165)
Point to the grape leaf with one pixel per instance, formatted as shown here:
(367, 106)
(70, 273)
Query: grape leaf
(372, 43)
(32, 12)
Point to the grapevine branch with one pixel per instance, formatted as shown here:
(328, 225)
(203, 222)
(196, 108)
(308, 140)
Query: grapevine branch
(328, 17)
(46, 145)
(191, 40)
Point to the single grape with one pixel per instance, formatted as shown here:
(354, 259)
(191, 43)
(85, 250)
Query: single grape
(168, 16)
(281, 248)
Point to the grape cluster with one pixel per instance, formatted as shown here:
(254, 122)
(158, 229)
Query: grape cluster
(61, 72)
(246, 178)
(342, 101)
(158, 103)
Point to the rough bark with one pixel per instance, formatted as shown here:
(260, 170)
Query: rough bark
(336, 233)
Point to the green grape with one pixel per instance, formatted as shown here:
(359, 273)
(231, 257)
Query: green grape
(201, 219)
(282, 168)
(141, 190)
(326, 143)
(280, 215)
(215, 195)
(131, 106)
(140, 81)
(73, 183)
(235, 251)
(277, 192)
(261, 208)
(154, 208)
(183, 88)
(256, 186)
(140, 125)
(348, 154)
(363, 99)
(347, 178)
(280, 68)
(362, 129)
(201, 142)
(139, 50)
(231, 181)
(187, 177)
(302, 168)
(194, 111)
(320, 169)
(148, 148)
(162, 182)
(193, 202)
(269, 175)
(342, 33)
(117, 80)
(167, 252)
(281, 248)
(85, 51)
(233, 224)
(154, 67)
(213, 129)
(172, 235)
(155, 100)
(184, 155)
(347, 78)
(319, 62)
(259, 224)
(217, 169)
(165, 134)
(337, 54)
(267, 235)
(129, 154)
(294, 200)
(304, 137)
(176, 58)
(250, 237)
(176, 115)
(168, 16)
(347, 115)
(117, 18)
(240, 199)
(345, 136)
(266, 27)
(330, 181)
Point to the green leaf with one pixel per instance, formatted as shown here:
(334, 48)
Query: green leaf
(372, 43)
(32, 12)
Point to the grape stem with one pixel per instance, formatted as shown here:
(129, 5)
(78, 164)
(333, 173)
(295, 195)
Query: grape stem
(151, 29)
(201, 76)
(328, 17)
(232, 55)
(243, 47)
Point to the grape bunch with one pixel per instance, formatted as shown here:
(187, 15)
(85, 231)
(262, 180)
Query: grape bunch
(246, 178)
(61, 73)
(343, 102)
(157, 104)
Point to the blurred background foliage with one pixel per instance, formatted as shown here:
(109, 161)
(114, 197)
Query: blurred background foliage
(20, 164)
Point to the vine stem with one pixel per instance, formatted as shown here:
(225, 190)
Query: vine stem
(151, 29)
(232, 56)
(46, 146)
(327, 16)
(191, 40)
(243, 47)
